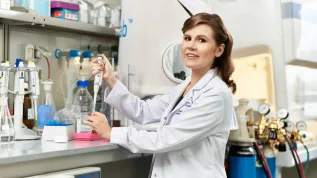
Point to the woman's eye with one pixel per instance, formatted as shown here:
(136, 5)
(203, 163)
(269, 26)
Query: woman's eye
(187, 38)
(202, 40)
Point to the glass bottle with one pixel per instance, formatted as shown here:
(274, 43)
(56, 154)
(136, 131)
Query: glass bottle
(6, 125)
(47, 109)
(27, 109)
(84, 100)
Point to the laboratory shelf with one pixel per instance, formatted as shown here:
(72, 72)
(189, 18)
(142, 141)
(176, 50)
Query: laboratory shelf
(14, 17)
(80, 27)
(35, 21)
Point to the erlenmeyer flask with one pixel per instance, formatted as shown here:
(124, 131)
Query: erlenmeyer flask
(6, 125)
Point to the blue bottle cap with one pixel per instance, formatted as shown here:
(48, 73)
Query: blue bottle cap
(82, 83)
(17, 62)
(304, 135)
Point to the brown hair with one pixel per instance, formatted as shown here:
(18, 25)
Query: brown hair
(221, 35)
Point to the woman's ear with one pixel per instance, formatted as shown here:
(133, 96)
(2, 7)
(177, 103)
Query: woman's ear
(220, 50)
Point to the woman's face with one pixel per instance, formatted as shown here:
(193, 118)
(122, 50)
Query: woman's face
(199, 48)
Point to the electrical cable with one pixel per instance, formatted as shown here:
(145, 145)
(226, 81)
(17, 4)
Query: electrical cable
(299, 162)
(263, 159)
(307, 161)
(48, 68)
(294, 157)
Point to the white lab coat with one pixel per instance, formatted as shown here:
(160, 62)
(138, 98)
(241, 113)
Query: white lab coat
(191, 140)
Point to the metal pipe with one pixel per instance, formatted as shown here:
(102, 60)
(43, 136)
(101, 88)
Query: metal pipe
(6, 42)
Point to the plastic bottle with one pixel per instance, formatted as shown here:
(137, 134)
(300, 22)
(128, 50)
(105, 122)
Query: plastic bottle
(84, 100)
(47, 109)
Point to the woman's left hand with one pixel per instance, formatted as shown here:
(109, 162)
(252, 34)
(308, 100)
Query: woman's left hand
(100, 124)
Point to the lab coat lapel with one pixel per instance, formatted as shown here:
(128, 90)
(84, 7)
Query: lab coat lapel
(188, 98)
(178, 94)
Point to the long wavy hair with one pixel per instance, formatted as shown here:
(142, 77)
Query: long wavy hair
(221, 35)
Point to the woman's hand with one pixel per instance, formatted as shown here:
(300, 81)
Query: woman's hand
(108, 75)
(100, 124)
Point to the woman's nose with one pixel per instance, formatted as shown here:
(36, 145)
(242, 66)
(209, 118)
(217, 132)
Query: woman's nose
(192, 45)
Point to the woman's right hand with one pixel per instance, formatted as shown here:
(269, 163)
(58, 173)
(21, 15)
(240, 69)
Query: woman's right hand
(108, 75)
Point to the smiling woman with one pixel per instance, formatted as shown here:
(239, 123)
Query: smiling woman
(196, 115)
(208, 44)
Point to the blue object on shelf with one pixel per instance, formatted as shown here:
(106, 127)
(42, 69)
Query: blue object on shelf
(41, 7)
(65, 14)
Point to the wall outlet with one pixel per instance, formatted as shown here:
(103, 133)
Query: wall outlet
(29, 52)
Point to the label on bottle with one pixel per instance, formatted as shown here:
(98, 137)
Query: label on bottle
(84, 106)
(30, 114)
(84, 127)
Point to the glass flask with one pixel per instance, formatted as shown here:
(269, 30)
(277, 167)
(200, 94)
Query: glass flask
(6, 125)
(47, 108)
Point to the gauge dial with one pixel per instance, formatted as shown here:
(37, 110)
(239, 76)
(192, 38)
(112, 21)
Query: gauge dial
(282, 113)
(264, 109)
(282, 124)
(289, 126)
(301, 125)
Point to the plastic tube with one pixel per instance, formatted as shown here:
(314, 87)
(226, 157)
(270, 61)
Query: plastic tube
(48, 69)
(263, 159)
(296, 163)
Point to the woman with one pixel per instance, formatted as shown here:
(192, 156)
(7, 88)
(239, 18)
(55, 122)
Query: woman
(196, 116)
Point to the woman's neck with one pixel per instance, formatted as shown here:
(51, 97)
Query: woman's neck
(197, 75)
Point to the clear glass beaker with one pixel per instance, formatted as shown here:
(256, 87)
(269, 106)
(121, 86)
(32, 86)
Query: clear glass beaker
(47, 108)
(6, 125)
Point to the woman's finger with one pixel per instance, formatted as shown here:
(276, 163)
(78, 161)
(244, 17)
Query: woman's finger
(88, 123)
(94, 60)
(95, 72)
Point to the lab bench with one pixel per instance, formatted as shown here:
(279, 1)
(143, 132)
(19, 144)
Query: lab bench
(26, 158)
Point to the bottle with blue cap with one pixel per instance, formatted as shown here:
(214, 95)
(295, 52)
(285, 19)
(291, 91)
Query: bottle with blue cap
(84, 100)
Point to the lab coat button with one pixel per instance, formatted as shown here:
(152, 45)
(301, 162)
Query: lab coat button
(155, 175)
(165, 118)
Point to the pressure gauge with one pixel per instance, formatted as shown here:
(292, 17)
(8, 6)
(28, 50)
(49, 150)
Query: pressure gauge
(264, 109)
(301, 125)
(282, 124)
(282, 113)
(289, 126)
